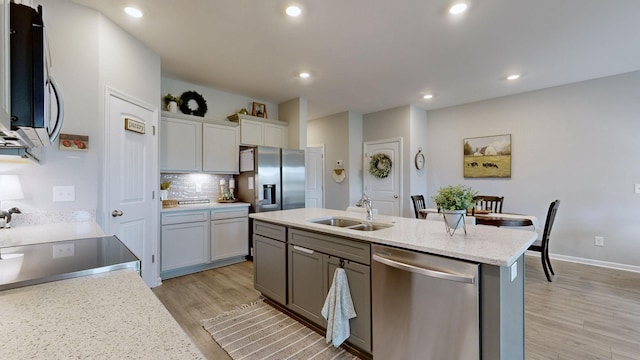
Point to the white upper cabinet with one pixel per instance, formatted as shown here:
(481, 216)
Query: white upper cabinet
(189, 145)
(180, 145)
(220, 144)
(259, 131)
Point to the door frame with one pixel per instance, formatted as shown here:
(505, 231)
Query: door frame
(399, 162)
(151, 246)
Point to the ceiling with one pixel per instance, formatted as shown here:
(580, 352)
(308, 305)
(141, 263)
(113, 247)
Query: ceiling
(370, 55)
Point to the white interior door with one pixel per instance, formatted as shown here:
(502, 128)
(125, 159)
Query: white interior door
(385, 193)
(314, 177)
(131, 179)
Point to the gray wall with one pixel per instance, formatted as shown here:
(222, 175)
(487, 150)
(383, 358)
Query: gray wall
(390, 124)
(333, 132)
(577, 143)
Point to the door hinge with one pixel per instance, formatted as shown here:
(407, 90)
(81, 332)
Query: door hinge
(153, 259)
(153, 195)
(153, 127)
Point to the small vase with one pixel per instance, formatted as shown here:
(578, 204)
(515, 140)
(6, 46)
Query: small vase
(164, 194)
(172, 106)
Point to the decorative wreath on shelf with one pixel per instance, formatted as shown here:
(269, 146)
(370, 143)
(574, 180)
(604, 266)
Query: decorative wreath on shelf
(380, 165)
(192, 95)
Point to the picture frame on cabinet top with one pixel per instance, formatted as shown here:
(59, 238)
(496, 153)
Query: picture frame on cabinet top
(259, 110)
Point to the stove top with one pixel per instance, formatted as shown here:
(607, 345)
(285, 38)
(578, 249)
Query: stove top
(39, 263)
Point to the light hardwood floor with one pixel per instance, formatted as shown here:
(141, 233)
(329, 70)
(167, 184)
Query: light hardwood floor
(587, 312)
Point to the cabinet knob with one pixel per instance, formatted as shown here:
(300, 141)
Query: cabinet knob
(116, 213)
(395, 196)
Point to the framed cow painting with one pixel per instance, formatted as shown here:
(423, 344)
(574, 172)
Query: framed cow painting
(487, 157)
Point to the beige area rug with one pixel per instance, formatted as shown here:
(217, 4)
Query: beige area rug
(259, 331)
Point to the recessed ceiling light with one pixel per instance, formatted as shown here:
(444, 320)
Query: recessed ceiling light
(428, 97)
(293, 10)
(133, 12)
(304, 75)
(513, 77)
(458, 8)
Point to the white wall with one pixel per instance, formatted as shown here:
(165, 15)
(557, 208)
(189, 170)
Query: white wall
(418, 140)
(74, 53)
(577, 143)
(87, 52)
(220, 104)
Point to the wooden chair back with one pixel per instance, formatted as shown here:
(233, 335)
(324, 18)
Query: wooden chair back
(488, 203)
(418, 204)
(542, 245)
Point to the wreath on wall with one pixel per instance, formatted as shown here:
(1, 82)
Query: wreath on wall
(380, 166)
(186, 97)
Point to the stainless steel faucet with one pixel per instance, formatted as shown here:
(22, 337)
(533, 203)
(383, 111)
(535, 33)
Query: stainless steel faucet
(368, 205)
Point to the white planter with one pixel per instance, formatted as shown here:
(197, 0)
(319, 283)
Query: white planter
(172, 106)
(454, 218)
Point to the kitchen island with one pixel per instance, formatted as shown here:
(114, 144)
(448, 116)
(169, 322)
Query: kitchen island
(498, 253)
(107, 316)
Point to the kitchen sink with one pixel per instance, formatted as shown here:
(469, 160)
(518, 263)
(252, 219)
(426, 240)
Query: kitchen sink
(370, 226)
(335, 221)
(350, 224)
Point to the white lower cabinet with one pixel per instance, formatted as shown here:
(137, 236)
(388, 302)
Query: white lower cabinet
(193, 241)
(184, 240)
(229, 234)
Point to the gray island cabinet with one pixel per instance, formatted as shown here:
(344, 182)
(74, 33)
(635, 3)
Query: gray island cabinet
(295, 258)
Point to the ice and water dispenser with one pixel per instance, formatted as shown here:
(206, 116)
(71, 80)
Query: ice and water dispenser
(269, 194)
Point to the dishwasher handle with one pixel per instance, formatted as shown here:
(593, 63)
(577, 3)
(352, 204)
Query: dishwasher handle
(422, 271)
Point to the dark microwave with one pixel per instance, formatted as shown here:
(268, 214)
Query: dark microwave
(36, 103)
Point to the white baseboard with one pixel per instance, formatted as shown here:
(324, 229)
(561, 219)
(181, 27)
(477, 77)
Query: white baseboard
(604, 264)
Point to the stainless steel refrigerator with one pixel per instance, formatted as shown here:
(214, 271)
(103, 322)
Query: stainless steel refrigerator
(271, 179)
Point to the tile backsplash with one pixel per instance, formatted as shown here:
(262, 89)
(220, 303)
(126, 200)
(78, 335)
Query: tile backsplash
(184, 186)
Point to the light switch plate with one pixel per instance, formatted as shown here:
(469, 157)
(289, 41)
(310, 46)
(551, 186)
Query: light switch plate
(637, 188)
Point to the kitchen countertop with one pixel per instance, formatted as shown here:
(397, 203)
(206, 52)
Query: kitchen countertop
(110, 315)
(36, 234)
(206, 206)
(483, 244)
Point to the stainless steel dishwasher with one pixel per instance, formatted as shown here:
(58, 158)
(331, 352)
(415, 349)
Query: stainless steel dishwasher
(424, 306)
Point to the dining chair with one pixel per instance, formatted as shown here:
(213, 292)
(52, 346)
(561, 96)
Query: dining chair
(418, 204)
(488, 203)
(542, 245)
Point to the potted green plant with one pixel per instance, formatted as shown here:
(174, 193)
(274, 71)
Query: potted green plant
(172, 102)
(453, 202)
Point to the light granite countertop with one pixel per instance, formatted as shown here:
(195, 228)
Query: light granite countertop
(35, 234)
(106, 316)
(483, 244)
(206, 206)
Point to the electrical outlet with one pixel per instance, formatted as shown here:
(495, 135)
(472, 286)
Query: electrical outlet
(64, 250)
(64, 193)
(599, 241)
(198, 187)
(514, 271)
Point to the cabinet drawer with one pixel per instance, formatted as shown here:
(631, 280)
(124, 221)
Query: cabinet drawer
(272, 231)
(229, 213)
(184, 217)
(330, 245)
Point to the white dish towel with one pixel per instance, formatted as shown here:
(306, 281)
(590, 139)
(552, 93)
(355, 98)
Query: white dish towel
(338, 309)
